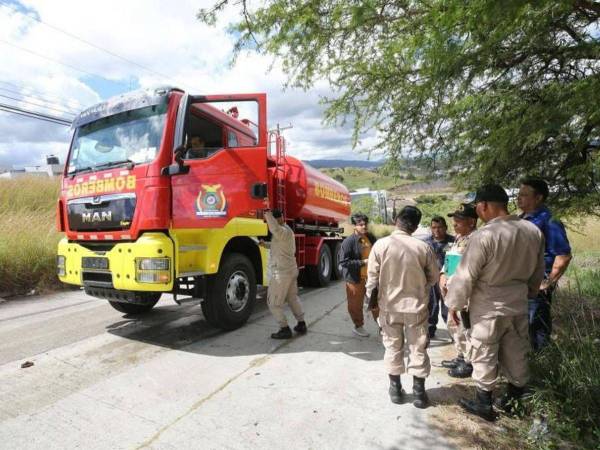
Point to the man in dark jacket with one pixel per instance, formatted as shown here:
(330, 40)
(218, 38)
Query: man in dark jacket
(440, 241)
(355, 253)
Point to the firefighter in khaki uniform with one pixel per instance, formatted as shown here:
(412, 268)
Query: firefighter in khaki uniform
(465, 222)
(502, 266)
(283, 281)
(403, 269)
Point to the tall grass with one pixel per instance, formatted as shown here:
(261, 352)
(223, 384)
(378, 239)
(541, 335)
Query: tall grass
(584, 234)
(28, 236)
(566, 374)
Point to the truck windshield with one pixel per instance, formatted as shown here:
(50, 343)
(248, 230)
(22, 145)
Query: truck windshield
(127, 138)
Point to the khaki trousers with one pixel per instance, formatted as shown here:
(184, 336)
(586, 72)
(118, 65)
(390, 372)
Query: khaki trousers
(283, 287)
(459, 336)
(398, 326)
(355, 294)
(499, 345)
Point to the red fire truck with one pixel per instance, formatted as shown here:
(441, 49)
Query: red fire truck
(163, 192)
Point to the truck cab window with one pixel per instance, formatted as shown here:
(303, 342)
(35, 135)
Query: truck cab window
(204, 137)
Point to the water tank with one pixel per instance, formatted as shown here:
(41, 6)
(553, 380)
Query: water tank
(312, 196)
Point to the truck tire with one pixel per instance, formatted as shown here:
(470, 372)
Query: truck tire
(231, 293)
(336, 274)
(150, 299)
(320, 274)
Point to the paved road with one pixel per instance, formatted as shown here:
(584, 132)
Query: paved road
(104, 380)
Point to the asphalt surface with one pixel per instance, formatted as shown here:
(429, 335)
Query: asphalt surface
(168, 380)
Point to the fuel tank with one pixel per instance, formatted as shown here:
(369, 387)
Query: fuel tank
(312, 196)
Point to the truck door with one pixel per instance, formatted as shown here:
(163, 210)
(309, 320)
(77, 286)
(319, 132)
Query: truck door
(222, 139)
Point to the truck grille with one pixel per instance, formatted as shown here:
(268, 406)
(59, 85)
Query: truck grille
(101, 213)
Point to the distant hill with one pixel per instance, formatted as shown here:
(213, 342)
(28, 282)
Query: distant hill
(342, 163)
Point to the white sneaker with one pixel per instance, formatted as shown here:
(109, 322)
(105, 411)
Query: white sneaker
(360, 331)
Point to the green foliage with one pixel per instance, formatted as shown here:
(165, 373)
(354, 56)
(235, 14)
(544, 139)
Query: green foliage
(495, 90)
(28, 236)
(355, 178)
(566, 375)
(435, 205)
(364, 205)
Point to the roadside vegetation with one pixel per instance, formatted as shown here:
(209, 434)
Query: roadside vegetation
(566, 375)
(375, 179)
(28, 235)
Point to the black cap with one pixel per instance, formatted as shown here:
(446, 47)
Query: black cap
(410, 214)
(277, 213)
(491, 193)
(464, 211)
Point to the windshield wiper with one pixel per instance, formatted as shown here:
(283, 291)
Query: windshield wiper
(102, 166)
(116, 163)
(82, 169)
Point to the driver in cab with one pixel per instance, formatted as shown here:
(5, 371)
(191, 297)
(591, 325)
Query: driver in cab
(197, 148)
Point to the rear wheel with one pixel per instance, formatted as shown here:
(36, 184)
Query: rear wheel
(231, 293)
(149, 300)
(336, 274)
(320, 274)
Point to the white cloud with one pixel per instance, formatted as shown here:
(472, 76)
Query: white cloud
(155, 34)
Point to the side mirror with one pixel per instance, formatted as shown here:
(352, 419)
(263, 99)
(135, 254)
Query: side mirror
(175, 169)
(178, 168)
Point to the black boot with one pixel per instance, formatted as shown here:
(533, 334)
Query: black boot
(396, 392)
(283, 333)
(462, 370)
(481, 406)
(452, 363)
(300, 328)
(508, 401)
(421, 399)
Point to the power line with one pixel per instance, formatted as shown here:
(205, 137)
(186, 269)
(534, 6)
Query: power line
(56, 61)
(28, 91)
(36, 104)
(34, 115)
(91, 44)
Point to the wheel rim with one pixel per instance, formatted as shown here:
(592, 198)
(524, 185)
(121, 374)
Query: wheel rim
(325, 265)
(237, 293)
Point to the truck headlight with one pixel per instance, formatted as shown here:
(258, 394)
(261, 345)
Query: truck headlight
(60, 265)
(153, 270)
(153, 263)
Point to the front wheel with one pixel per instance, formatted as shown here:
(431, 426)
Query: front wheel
(231, 293)
(149, 300)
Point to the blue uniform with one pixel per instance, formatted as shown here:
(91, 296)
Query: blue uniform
(540, 319)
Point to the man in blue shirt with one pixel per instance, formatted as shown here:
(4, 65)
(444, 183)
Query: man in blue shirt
(440, 241)
(557, 256)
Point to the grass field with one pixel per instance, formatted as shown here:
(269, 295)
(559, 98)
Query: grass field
(354, 178)
(28, 235)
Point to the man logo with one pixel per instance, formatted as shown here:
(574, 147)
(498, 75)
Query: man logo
(104, 216)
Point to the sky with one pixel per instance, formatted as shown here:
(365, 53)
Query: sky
(61, 57)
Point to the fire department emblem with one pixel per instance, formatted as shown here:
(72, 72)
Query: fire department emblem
(211, 201)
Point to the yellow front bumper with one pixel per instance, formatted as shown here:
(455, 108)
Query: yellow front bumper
(121, 262)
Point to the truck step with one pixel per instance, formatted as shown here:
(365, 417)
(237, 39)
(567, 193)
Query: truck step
(187, 300)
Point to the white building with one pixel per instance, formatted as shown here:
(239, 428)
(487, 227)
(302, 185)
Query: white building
(52, 168)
